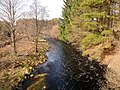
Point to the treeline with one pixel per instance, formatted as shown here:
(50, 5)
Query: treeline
(89, 23)
(26, 26)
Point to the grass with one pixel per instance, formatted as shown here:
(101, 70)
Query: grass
(13, 68)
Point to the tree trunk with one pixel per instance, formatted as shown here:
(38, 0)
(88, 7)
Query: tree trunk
(37, 33)
(108, 21)
(36, 47)
(14, 42)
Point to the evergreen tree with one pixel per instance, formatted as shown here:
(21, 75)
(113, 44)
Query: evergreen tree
(65, 25)
(89, 22)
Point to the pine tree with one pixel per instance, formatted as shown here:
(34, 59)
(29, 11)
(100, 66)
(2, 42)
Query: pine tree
(88, 16)
(65, 25)
(87, 23)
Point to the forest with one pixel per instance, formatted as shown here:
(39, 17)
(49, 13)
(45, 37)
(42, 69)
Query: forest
(91, 24)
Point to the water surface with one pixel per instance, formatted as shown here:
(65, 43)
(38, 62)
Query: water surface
(67, 69)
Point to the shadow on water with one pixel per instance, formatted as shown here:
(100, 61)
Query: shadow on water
(67, 69)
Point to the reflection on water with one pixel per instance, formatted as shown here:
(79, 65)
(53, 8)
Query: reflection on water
(68, 70)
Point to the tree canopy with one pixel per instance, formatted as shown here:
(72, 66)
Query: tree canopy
(89, 22)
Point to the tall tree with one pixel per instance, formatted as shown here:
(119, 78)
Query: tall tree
(65, 25)
(39, 14)
(87, 23)
(88, 16)
(10, 13)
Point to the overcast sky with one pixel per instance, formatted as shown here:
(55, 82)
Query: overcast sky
(54, 7)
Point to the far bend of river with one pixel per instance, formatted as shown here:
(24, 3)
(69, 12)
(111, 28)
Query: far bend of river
(68, 70)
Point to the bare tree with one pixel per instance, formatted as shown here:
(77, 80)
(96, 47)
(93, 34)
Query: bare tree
(25, 24)
(38, 13)
(10, 13)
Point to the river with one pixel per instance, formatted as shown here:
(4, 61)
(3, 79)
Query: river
(67, 69)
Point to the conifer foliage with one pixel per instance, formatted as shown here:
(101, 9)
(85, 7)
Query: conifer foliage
(89, 22)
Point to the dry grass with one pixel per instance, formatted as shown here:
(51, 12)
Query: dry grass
(14, 67)
(113, 73)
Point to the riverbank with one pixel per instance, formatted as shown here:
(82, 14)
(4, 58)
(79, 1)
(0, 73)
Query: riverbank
(14, 68)
(112, 60)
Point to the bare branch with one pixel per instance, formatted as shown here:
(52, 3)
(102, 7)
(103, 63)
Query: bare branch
(10, 11)
(38, 13)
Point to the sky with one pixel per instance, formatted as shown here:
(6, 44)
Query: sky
(54, 7)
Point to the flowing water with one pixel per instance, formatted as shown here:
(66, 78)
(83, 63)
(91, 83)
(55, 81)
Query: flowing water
(67, 69)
